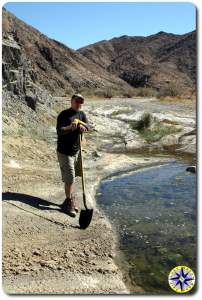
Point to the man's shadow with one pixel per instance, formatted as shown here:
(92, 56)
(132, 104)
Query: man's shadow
(31, 200)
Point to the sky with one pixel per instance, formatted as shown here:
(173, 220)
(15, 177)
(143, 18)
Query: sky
(80, 24)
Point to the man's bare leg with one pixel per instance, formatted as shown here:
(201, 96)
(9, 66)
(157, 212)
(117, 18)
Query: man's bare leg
(69, 188)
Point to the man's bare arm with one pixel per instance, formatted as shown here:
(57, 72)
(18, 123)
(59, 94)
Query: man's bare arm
(66, 129)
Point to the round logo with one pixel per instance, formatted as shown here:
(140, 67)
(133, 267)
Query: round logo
(181, 279)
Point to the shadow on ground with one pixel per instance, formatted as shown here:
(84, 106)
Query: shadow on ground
(30, 200)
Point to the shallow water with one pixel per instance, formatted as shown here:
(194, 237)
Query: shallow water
(154, 214)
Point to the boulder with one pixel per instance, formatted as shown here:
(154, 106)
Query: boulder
(31, 100)
(191, 169)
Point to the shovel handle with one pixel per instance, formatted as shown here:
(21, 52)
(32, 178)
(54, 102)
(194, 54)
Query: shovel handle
(82, 172)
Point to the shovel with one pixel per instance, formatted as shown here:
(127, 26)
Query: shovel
(85, 214)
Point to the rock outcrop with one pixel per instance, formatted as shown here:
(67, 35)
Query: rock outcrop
(19, 78)
(56, 67)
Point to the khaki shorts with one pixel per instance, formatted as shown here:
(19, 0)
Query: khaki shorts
(70, 166)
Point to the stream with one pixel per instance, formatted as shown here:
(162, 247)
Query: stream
(153, 211)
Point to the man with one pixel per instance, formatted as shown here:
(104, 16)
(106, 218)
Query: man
(68, 149)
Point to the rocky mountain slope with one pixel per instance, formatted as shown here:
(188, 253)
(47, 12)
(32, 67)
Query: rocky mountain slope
(37, 68)
(55, 67)
(118, 63)
(148, 61)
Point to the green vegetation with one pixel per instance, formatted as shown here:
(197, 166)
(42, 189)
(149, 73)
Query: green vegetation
(110, 92)
(145, 92)
(170, 89)
(154, 133)
(144, 122)
(157, 132)
(128, 93)
(107, 92)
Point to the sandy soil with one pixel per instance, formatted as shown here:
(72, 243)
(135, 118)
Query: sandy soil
(44, 251)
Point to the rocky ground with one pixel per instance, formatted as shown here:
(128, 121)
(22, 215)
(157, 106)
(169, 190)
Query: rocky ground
(44, 251)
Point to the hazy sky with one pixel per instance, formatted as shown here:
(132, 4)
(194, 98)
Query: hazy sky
(80, 24)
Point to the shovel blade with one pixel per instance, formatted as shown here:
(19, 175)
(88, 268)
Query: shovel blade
(85, 218)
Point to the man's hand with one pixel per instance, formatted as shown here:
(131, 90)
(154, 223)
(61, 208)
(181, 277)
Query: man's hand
(82, 128)
(73, 126)
(70, 127)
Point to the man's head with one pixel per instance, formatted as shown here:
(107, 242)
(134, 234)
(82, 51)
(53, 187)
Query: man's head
(76, 102)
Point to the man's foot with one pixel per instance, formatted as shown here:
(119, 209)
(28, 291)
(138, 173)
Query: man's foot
(68, 207)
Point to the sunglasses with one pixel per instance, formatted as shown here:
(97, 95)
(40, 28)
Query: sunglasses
(80, 101)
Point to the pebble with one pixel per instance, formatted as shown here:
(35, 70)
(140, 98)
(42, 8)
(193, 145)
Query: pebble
(42, 263)
(36, 252)
(100, 270)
